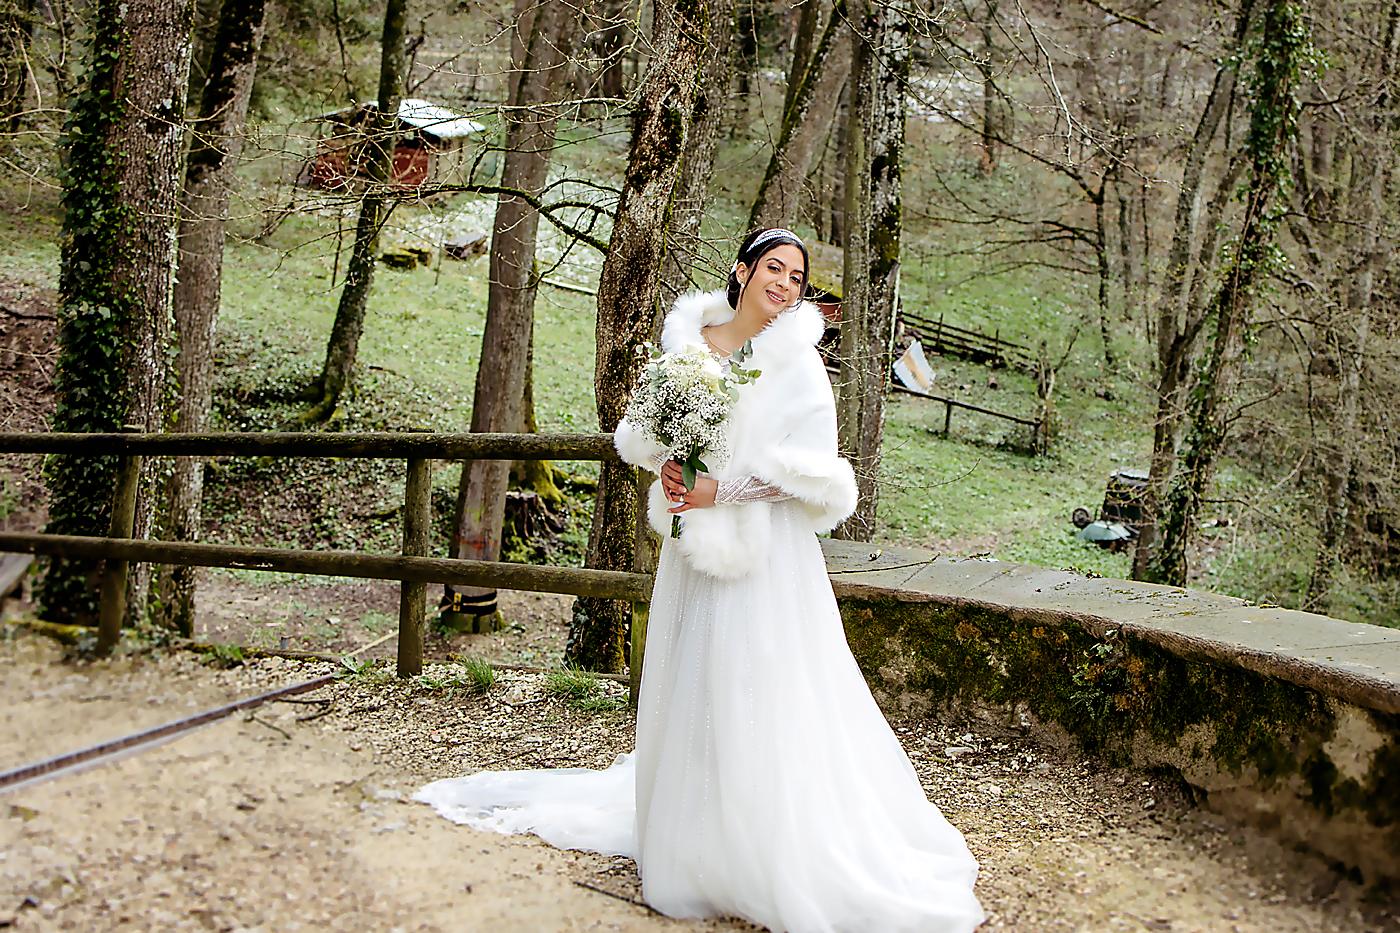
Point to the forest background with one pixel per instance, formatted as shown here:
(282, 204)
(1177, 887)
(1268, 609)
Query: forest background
(1184, 210)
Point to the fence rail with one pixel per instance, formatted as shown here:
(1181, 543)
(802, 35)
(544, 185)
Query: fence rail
(413, 568)
(408, 445)
(966, 342)
(950, 403)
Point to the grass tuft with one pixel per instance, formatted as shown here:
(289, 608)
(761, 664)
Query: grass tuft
(222, 656)
(369, 672)
(479, 673)
(570, 683)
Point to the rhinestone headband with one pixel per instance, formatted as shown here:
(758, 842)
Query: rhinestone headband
(771, 233)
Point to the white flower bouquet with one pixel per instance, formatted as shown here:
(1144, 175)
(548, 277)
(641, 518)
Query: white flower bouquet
(683, 401)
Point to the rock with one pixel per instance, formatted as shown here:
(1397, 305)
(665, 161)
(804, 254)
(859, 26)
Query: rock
(957, 751)
(467, 246)
(399, 258)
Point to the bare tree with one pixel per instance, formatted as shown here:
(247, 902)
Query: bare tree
(1179, 318)
(692, 189)
(1353, 267)
(16, 32)
(545, 31)
(814, 82)
(1282, 55)
(209, 175)
(344, 342)
(628, 302)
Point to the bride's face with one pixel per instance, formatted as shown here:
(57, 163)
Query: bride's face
(774, 284)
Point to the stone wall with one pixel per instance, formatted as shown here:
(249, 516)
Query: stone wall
(1286, 719)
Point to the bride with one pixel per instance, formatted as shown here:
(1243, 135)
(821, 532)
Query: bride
(765, 782)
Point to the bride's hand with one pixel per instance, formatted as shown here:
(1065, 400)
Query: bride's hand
(673, 485)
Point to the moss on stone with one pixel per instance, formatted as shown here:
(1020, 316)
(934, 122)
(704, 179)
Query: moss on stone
(1115, 691)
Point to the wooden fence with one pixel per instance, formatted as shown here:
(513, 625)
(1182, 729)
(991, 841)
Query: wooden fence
(950, 403)
(412, 567)
(1035, 424)
(966, 342)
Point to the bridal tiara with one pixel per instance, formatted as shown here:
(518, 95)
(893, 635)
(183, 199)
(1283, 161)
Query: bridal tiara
(772, 233)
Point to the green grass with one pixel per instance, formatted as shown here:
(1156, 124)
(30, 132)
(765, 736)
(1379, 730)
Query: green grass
(570, 683)
(582, 689)
(472, 674)
(369, 672)
(222, 656)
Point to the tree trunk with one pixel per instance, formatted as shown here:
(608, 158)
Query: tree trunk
(1125, 252)
(692, 188)
(117, 261)
(344, 342)
(498, 401)
(1272, 132)
(840, 155)
(628, 303)
(16, 32)
(809, 26)
(538, 476)
(1369, 170)
(991, 124)
(871, 274)
(1175, 341)
(1105, 272)
(779, 194)
(1174, 377)
(209, 175)
(748, 49)
(609, 47)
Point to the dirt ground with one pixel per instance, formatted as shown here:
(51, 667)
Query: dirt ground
(265, 610)
(27, 358)
(297, 817)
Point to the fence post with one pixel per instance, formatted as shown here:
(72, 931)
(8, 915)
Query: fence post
(417, 518)
(947, 417)
(643, 561)
(112, 601)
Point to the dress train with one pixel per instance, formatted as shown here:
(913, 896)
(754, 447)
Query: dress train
(765, 783)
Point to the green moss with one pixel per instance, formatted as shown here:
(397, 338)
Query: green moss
(1114, 691)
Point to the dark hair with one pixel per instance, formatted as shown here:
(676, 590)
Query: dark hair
(749, 255)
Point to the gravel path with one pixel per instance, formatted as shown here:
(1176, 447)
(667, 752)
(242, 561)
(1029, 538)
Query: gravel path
(296, 817)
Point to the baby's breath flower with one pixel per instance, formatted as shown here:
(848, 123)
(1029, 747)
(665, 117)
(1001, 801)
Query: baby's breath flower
(683, 401)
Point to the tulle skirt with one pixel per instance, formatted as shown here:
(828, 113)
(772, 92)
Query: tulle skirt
(765, 782)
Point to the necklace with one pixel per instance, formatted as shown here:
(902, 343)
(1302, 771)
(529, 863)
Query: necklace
(742, 352)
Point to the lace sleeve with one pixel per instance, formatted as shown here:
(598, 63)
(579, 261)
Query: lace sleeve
(658, 461)
(747, 489)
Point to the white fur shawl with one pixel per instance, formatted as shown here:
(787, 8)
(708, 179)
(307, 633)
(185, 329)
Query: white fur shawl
(782, 430)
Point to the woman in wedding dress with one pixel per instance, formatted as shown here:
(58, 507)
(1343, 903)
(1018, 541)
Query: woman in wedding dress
(765, 782)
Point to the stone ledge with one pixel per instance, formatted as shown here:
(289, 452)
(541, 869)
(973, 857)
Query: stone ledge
(1286, 718)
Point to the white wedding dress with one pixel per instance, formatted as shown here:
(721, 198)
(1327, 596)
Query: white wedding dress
(765, 782)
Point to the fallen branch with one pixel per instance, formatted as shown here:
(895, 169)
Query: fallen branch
(28, 315)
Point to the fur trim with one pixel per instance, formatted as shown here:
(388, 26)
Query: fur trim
(803, 324)
(824, 483)
(635, 445)
(726, 541)
(784, 432)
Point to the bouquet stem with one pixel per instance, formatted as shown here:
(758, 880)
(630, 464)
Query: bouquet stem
(675, 526)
